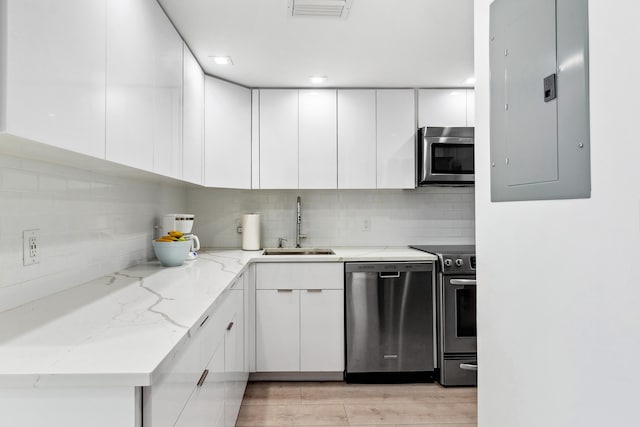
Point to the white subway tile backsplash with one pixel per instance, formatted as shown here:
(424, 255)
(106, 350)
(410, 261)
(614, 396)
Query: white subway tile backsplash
(90, 225)
(335, 217)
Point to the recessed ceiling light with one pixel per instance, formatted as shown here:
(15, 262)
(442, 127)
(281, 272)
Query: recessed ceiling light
(470, 81)
(316, 80)
(222, 60)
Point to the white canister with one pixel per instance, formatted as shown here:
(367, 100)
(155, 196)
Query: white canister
(251, 232)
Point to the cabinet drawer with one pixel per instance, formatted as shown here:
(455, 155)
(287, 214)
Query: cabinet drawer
(300, 275)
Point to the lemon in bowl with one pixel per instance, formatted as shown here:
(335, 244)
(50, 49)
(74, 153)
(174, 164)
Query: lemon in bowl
(171, 253)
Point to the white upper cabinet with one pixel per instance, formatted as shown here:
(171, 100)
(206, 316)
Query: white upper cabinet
(318, 151)
(227, 134)
(144, 87)
(278, 139)
(356, 138)
(445, 107)
(193, 120)
(167, 91)
(130, 70)
(52, 73)
(396, 134)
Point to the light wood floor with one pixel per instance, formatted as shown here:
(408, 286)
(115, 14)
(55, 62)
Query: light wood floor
(338, 404)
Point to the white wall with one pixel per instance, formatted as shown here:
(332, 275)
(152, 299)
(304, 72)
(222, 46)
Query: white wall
(559, 287)
(90, 225)
(336, 217)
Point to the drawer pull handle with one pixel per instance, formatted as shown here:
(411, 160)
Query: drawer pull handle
(204, 321)
(202, 377)
(229, 326)
(314, 290)
(285, 290)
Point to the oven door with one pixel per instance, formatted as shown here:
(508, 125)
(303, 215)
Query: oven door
(459, 320)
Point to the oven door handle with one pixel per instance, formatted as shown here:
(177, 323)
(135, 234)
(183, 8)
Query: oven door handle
(471, 282)
(469, 366)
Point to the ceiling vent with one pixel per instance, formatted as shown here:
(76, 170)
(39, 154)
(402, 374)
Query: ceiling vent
(327, 8)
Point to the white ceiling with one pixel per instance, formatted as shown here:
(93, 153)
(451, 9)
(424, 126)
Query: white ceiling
(382, 43)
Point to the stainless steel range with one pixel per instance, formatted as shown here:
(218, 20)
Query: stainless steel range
(456, 308)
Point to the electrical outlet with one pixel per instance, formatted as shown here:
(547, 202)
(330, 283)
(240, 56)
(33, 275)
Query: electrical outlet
(31, 247)
(366, 224)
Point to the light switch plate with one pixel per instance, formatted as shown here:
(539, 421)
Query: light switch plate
(31, 247)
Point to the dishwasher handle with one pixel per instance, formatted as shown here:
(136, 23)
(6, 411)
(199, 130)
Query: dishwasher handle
(385, 275)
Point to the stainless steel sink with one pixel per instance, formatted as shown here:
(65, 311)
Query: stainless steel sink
(298, 251)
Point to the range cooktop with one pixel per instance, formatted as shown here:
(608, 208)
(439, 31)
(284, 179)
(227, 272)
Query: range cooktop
(446, 249)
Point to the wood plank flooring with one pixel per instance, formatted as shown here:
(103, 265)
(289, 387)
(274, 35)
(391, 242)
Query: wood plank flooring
(333, 404)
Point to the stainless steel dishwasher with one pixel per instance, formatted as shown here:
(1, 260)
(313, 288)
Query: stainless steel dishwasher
(390, 322)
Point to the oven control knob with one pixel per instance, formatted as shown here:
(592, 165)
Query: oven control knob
(448, 262)
(459, 262)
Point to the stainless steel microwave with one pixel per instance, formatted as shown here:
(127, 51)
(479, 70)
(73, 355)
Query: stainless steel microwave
(445, 156)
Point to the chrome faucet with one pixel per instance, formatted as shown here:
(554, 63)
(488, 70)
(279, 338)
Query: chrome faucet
(299, 222)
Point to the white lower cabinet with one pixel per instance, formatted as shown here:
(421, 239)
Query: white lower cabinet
(277, 330)
(204, 383)
(206, 406)
(300, 317)
(322, 327)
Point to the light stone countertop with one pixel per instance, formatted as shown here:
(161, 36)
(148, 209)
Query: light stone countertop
(116, 330)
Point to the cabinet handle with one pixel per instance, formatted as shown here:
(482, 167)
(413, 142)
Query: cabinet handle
(202, 377)
(285, 290)
(204, 321)
(314, 290)
(229, 326)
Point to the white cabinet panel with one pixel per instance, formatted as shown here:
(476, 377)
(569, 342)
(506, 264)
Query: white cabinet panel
(277, 330)
(255, 138)
(206, 405)
(130, 88)
(55, 63)
(167, 102)
(321, 330)
(471, 108)
(442, 107)
(356, 138)
(320, 275)
(396, 132)
(227, 134)
(193, 120)
(318, 158)
(144, 88)
(278, 138)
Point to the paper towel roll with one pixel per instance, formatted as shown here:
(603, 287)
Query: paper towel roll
(251, 232)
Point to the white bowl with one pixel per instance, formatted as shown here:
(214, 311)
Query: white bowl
(171, 254)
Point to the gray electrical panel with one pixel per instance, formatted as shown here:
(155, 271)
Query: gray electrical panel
(539, 100)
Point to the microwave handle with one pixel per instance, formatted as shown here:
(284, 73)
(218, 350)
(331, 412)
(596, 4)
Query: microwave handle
(462, 282)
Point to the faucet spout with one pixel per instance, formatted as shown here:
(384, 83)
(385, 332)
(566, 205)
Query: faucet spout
(298, 221)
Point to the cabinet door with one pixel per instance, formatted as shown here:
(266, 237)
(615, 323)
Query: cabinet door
(167, 96)
(227, 134)
(206, 406)
(277, 330)
(130, 89)
(471, 108)
(356, 138)
(193, 120)
(55, 73)
(278, 138)
(318, 159)
(144, 88)
(321, 330)
(442, 107)
(396, 130)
